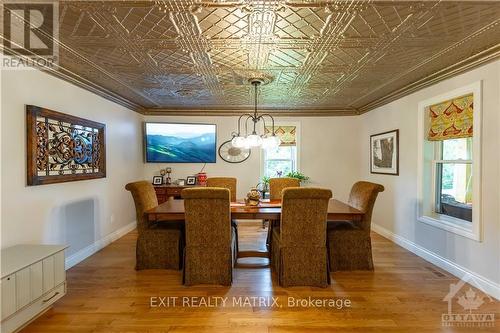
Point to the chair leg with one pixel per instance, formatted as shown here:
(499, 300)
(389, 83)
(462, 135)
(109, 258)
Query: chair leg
(235, 226)
(328, 276)
(184, 266)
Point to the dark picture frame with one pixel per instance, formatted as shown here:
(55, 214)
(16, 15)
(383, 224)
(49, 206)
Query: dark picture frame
(157, 180)
(63, 148)
(190, 180)
(384, 153)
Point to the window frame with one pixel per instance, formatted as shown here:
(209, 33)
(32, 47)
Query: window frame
(297, 147)
(427, 168)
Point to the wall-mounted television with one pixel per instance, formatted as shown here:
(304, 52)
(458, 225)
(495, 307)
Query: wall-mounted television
(180, 143)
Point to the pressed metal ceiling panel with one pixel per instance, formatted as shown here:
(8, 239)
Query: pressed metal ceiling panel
(334, 56)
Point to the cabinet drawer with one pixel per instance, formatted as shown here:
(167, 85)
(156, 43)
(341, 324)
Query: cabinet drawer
(174, 191)
(23, 287)
(34, 309)
(8, 295)
(48, 273)
(160, 190)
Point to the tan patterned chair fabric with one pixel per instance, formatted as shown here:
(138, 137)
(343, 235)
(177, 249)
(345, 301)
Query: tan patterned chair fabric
(210, 242)
(230, 184)
(224, 182)
(299, 254)
(277, 185)
(158, 246)
(349, 243)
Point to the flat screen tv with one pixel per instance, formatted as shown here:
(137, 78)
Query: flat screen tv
(180, 143)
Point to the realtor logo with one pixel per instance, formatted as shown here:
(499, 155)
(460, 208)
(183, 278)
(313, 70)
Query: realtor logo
(28, 34)
(467, 302)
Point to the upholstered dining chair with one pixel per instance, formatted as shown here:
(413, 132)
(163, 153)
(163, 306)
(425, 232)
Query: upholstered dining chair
(210, 241)
(299, 253)
(230, 184)
(158, 246)
(349, 243)
(276, 186)
(224, 182)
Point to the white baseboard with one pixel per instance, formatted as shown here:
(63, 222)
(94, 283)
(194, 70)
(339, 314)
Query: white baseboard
(99, 244)
(490, 287)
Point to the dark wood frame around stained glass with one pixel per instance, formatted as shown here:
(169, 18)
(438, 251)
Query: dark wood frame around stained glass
(63, 148)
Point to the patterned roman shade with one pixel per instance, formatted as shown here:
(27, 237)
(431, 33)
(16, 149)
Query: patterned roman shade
(451, 119)
(285, 133)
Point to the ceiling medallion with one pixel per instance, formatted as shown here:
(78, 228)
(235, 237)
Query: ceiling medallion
(249, 75)
(254, 139)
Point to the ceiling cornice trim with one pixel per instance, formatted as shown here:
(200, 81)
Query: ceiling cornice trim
(238, 111)
(465, 65)
(83, 83)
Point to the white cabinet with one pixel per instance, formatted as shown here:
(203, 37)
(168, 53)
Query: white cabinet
(36, 283)
(33, 278)
(23, 287)
(48, 273)
(8, 295)
(59, 268)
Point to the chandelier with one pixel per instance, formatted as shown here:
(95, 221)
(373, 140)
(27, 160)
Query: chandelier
(255, 139)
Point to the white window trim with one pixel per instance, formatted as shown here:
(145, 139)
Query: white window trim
(297, 144)
(425, 195)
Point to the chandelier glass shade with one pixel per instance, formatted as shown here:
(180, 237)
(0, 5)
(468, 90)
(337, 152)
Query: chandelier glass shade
(267, 141)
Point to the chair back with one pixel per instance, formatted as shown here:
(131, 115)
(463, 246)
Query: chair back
(207, 216)
(224, 182)
(144, 196)
(277, 185)
(362, 197)
(303, 216)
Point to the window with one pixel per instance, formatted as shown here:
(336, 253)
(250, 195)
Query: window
(280, 161)
(453, 181)
(449, 154)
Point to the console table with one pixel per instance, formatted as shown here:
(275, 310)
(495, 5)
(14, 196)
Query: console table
(164, 192)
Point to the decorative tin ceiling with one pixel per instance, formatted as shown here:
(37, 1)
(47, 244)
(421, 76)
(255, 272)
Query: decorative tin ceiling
(323, 56)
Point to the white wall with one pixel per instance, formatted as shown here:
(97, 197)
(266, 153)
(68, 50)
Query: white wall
(396, 209)
(75, 213)
(327, 153)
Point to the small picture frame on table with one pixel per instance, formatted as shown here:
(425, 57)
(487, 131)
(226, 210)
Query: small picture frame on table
(181, 182)
(157, 180)
(191, 180)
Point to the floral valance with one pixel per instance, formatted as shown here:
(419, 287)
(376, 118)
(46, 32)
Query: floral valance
(451, 119)
(285, 133)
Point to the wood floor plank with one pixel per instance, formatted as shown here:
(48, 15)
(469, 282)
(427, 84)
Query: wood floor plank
(105, 294)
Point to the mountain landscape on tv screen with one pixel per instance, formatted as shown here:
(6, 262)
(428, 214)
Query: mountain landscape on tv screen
(172, 149)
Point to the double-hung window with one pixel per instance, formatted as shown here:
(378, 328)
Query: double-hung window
(278, 162)
(449, 175)
(453, 178)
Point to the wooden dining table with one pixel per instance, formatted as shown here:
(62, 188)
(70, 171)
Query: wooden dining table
(173, 210)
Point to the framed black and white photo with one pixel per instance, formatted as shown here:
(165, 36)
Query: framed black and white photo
(190, 180)
(157, 180)
(384, 153)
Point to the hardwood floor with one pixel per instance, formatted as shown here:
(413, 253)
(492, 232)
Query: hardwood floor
(404, 294)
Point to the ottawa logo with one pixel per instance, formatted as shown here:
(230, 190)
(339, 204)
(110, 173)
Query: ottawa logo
(470, 301)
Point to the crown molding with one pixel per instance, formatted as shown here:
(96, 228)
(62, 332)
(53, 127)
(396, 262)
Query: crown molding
(239, 111)
(78, 81)
(465, 65)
